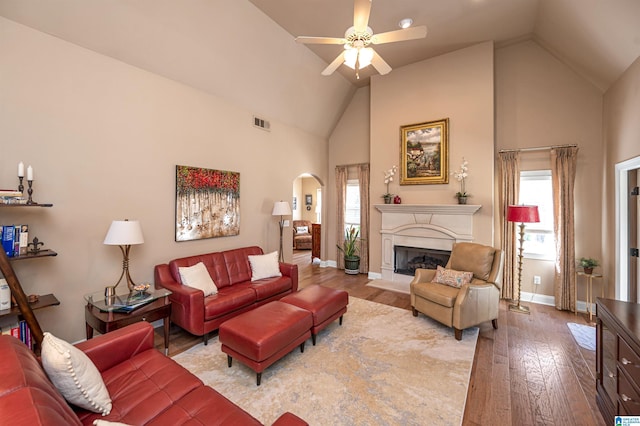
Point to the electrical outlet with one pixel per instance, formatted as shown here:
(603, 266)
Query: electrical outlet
(536, 279)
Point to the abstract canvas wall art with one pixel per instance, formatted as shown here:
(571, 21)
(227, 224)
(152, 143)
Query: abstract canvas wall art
(207, 203)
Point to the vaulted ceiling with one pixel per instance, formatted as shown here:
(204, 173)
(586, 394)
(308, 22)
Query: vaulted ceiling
(599, 39)
(213, 45)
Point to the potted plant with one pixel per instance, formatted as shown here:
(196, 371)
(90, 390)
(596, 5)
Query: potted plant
(388, 178)
(588, 264)
(351, 249)
(461, 175)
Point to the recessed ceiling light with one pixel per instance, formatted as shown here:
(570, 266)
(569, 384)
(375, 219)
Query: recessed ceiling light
(405, 23)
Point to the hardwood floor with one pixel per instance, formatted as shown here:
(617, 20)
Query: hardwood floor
(528, 371)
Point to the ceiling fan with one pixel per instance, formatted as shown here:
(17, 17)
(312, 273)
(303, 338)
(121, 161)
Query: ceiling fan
(357, 54)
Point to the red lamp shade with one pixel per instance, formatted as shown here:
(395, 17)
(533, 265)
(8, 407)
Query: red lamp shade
(523, 214)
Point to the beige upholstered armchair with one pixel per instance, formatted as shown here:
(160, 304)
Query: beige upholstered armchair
(471, 303)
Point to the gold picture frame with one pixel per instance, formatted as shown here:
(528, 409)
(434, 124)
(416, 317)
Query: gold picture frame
(424, 153)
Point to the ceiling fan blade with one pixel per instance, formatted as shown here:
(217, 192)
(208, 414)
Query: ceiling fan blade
(379, 64)
(400, 35)
(320, 40)
(361, 10)
(334, 65)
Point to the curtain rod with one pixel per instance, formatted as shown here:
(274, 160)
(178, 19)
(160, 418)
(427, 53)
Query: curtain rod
(351, 165)
(541, 148)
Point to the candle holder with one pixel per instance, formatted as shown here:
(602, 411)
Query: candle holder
(20, 185)
(30, 192)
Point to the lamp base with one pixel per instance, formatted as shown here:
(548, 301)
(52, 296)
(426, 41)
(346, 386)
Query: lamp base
(519, 308)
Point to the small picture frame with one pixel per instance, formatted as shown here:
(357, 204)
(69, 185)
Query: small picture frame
(294, 203)
(308, 199)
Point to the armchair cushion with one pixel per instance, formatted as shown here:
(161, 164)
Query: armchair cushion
(437, 293)
(472, 257)
(451, 277)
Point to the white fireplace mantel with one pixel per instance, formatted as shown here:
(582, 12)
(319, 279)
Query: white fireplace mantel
(463, 209)
(435, 226)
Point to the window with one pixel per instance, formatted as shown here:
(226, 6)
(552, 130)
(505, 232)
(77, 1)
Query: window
(352, 205)
(536, 190)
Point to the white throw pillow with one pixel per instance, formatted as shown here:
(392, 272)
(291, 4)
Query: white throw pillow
(264, 266)
(99, 422)
(302, 229)
(197, 276)
(74, 375)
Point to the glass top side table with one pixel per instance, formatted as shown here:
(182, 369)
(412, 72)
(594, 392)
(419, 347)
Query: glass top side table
(124, 302)
(108, 314)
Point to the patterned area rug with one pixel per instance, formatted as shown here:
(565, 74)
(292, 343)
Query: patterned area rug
(382, 366)
(585, 335)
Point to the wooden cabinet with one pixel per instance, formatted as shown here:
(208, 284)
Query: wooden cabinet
(617, 358)
(316, 239)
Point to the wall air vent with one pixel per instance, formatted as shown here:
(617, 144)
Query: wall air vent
(261, 123)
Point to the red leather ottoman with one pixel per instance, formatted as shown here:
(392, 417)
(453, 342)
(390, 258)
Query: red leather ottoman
(325, 304)
(260, 337)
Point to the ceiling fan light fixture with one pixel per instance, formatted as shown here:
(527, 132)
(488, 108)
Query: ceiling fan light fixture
(365, 57)
(350, 58)
(405, 23)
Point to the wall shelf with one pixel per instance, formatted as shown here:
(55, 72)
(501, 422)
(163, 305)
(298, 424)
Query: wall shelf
(41, 253)
(44, 301)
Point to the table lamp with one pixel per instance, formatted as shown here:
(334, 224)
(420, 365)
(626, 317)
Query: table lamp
(281, 208)
(123, 233)
(521, 214)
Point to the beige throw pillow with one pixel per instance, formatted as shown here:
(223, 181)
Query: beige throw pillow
(264, 266)
(74, 375)
(452, 277)
(197, 276)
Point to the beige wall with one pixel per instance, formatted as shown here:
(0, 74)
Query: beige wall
(622, 139)
(458, 86)
(541, 102)
(104, 138)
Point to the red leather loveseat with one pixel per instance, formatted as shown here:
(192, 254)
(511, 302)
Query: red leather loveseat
(145, 387)
(231, 273)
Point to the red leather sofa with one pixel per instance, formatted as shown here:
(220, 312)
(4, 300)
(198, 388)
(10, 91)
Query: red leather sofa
(231, 272)
(145, 386)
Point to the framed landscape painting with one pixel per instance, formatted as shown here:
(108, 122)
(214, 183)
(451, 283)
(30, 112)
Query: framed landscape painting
(207, 203)
(424, 153)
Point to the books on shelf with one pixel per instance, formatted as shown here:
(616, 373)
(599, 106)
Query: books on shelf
(15, 239)
(20, 330)
(10, 193)
(8, 239)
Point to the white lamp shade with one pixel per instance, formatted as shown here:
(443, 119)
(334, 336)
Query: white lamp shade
(124, 233)
(281, 208)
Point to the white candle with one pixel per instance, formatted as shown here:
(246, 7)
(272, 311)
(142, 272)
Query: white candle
(29, 173)
(21, 169)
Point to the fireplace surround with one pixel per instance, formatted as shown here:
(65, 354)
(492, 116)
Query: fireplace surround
(426, 226)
